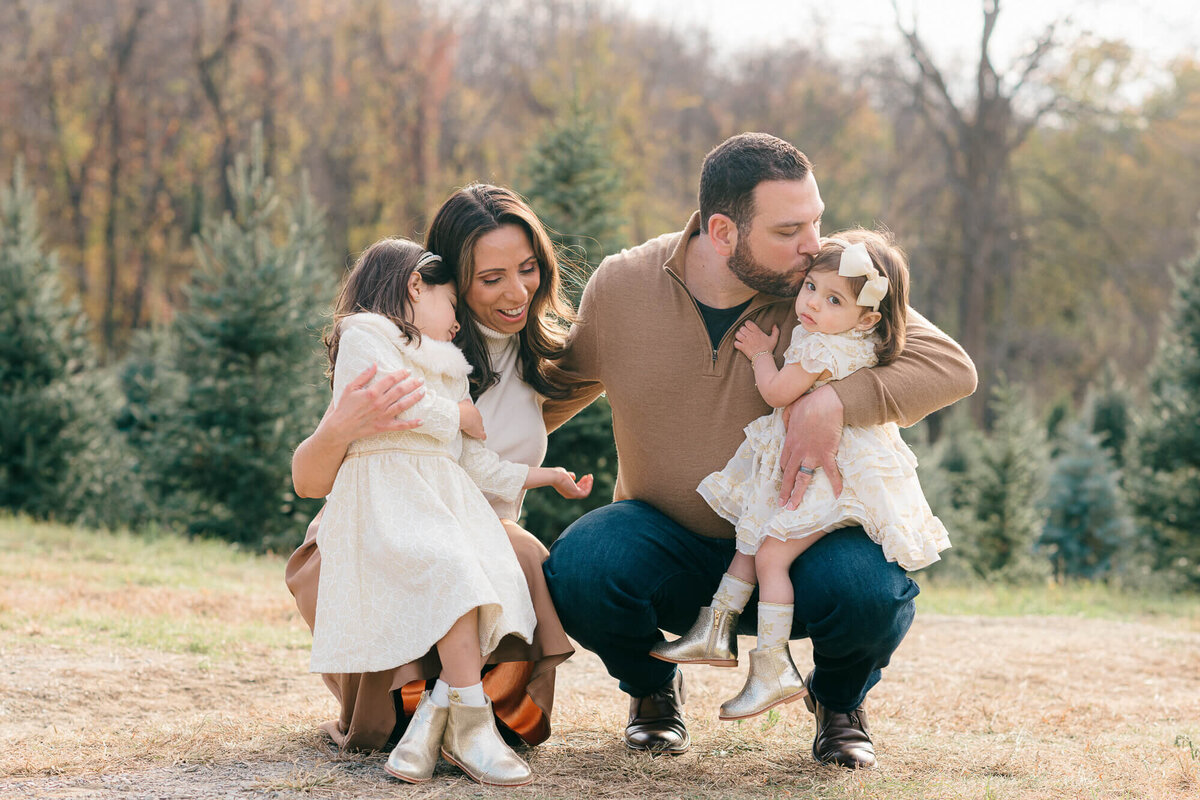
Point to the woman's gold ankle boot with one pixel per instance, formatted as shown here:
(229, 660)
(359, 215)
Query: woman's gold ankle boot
(711, 640)
(773, 679)
(416, 754)
(473, 744)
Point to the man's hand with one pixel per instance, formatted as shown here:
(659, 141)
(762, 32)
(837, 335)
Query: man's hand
(814, 431)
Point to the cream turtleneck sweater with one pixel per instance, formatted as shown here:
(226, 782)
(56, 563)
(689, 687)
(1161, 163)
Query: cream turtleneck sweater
(512, 413)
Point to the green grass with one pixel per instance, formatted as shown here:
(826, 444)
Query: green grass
(70, 586)
(1071, 599)
(113, 560)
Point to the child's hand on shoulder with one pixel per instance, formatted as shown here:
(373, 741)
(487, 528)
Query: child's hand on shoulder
(750, 340)
(563, 482)
(470, 421)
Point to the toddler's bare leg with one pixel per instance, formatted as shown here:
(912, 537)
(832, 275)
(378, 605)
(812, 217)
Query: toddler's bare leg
(772, 564)
(459, 651)
(742, 567)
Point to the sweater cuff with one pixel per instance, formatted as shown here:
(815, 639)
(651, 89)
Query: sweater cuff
(862, 399)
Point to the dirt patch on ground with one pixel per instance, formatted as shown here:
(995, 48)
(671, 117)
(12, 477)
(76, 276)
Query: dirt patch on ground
(971, 707)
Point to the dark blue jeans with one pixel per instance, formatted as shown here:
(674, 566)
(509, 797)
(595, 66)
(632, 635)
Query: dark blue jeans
(623, 571)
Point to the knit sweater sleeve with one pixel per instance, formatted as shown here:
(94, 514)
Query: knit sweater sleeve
(930, 373)
(579, 369)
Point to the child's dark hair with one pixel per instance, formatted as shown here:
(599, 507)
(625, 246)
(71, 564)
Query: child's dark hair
(378, 283)
(889, 259)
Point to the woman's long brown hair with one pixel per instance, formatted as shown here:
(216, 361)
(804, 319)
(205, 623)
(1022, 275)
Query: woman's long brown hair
(469, 214)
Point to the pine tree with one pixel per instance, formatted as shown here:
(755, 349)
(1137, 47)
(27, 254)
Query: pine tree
(574, 188)
(945, 472)
(246, 352)
(1108, 407)
(59, 453)
(1058, 419)
(576, 191)
(1165, 484)
(1007, 482)
(1086, 526)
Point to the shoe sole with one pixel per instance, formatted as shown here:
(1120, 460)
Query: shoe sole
(789, 699)
(479, 780)
(712, 662)
(404, 778)
(650, 751)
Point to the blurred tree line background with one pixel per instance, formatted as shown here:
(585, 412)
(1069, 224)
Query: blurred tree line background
(184, 183)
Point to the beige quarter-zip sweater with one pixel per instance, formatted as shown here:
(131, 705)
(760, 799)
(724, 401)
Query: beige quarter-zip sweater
(679, 406)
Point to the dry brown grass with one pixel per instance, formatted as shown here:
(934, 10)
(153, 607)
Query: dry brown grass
(972, 707)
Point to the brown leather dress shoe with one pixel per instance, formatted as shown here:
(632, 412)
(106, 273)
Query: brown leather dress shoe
(656, 722)
(842, 738)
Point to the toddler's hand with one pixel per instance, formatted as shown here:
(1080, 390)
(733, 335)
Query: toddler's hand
(563, 482)
(750, 340)
(566, 485)
(470, 421)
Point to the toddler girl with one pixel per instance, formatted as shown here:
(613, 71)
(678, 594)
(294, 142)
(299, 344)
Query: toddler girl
(851, 311)
(414, 557)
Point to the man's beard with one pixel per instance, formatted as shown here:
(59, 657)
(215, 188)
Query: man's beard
(759, 277)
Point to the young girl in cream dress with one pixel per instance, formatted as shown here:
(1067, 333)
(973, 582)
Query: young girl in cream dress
(414, 557)
(851, 312)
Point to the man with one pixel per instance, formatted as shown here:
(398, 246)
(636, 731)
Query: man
(655, 332)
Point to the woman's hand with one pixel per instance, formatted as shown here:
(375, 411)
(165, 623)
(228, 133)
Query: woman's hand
(750, 340)
(470, 421)
(364, 410)
(563, 482)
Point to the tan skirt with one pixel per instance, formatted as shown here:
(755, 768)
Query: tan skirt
(519, 678)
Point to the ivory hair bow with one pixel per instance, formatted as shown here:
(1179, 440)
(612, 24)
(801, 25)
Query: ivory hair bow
(856, 261)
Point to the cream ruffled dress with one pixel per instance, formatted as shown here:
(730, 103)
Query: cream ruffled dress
(879, 473)
(408, 542)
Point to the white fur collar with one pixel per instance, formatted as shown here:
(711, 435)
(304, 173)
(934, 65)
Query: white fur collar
(430, 355)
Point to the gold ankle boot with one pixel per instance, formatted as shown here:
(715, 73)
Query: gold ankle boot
(773, 679)
(416, 754)
(473, 744)
(711, 640)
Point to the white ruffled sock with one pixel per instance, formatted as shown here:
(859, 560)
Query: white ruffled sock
(472, 695)
(732, 594)
(774, 624)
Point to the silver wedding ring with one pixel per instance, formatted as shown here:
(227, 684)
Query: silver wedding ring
(808, 470)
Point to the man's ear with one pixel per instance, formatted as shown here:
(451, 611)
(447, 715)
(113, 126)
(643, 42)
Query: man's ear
(414, 286)
(868, 320)
(723, 233)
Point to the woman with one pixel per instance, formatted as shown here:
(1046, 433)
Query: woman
(512, 316)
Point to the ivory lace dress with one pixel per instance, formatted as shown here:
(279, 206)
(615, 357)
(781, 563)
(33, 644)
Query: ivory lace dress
(408, 542)
(879, 473)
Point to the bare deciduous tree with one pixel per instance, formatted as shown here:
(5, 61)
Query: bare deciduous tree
(977, 141)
